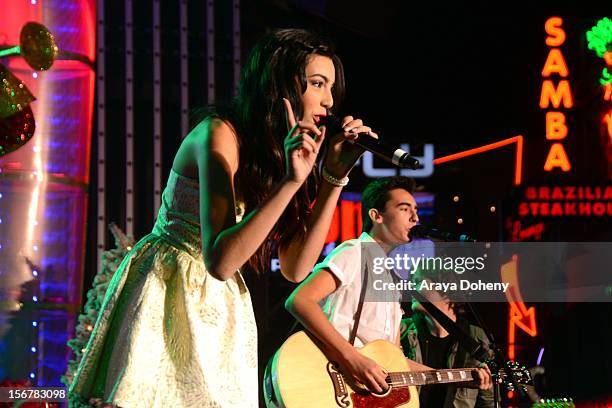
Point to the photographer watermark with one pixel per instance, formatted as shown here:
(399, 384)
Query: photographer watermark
(405, 262)
(491, 272)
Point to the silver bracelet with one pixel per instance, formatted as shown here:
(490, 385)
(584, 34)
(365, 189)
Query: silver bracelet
(334, 180)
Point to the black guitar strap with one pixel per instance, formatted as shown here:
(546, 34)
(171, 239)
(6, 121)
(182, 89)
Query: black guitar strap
(364, 285)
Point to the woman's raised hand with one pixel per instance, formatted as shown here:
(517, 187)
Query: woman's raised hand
(302, 145)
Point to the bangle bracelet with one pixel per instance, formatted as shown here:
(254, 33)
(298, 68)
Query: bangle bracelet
(333, 180)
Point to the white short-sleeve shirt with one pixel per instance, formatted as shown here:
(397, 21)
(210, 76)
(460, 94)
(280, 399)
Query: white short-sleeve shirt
(379, 320)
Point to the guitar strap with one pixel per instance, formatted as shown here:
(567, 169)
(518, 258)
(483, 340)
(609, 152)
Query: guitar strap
(364, 283)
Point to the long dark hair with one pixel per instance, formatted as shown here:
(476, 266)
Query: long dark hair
(275, 69)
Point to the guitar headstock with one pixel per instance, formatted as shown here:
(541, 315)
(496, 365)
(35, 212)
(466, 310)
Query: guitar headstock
(513, 373)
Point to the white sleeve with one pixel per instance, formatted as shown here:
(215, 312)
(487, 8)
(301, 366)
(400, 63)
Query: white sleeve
(344, 262)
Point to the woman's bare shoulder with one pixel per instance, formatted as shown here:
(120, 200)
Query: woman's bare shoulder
(214, 131)
(218, 136)
(213, 136)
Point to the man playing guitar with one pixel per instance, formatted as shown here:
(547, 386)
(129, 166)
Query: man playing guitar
(389, 211)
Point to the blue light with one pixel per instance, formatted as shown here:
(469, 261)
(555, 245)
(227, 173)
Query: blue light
(32, 375)
(33, 349)
(539, 360)
(34, 324)
(35, 273)
(65, 29)
(35, 298)
(0, 220)
(0, 195)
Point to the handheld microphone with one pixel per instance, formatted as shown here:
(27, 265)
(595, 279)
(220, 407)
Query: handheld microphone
(392, 154)
(425, 231)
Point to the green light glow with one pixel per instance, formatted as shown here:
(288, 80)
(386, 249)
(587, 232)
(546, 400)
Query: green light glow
(606, 77)
(7, 52)
(600, 37)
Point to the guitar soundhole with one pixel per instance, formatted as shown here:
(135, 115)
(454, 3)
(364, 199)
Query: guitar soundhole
(382, 393)
(395, 397)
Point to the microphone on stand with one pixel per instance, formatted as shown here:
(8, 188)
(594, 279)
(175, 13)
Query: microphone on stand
(392, 154)
(425, 231)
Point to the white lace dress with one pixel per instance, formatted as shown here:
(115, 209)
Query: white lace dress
(168, 333)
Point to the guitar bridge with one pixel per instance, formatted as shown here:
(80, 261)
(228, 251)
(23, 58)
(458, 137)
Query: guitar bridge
(340, 391)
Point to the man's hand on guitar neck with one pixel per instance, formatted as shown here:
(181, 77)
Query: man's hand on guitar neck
(483, 378)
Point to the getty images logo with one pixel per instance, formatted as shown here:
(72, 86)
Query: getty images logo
(367, 164)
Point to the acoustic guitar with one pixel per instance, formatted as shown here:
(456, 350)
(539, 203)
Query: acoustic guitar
(301, 376)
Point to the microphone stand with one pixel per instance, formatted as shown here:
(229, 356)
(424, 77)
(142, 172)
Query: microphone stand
(498, 358)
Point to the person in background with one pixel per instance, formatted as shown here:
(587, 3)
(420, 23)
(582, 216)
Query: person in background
(424, 340)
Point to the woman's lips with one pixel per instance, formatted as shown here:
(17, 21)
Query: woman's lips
(318, 119)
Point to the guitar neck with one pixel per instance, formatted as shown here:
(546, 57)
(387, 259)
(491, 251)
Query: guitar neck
(452, 375)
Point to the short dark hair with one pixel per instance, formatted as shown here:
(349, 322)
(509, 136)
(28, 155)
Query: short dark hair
(439, 276)
(376, 195)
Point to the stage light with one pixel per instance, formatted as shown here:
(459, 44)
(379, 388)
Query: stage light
(539, 360)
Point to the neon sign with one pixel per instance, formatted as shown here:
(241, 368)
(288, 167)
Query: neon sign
(566, 201)
(518, 162)
(599, 38)
(559, 95)
(520, 317)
